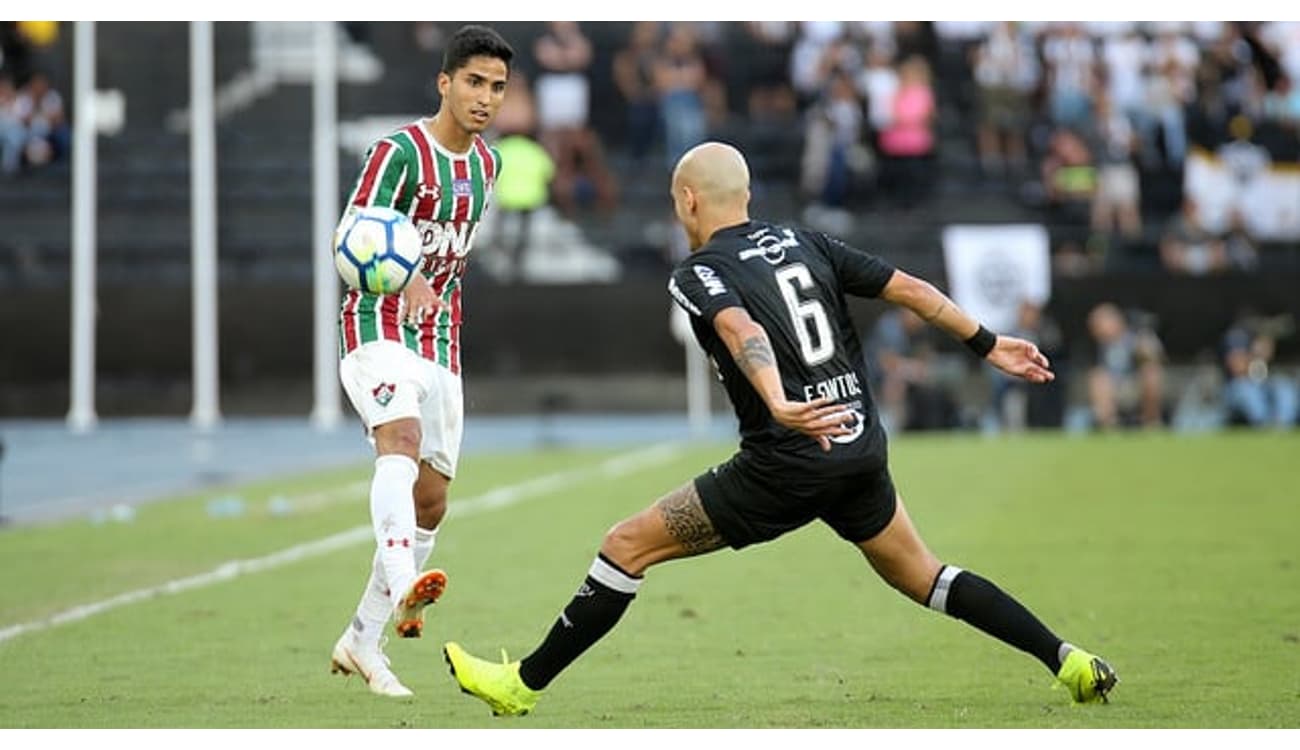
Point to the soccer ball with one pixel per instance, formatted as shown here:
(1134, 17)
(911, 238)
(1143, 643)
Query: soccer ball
(377, 249)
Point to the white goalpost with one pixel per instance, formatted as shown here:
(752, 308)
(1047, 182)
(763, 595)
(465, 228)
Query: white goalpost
(206, 414)
(81, 411)
(325, 413)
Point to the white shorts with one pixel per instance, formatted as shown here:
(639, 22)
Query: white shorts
(385, 382)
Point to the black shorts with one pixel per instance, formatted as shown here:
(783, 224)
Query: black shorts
(751, 501)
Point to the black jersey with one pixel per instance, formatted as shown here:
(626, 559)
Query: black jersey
(792, 282)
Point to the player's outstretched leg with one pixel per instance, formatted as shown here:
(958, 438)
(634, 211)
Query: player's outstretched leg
(978, 601)
(675, 526)
(901, 558)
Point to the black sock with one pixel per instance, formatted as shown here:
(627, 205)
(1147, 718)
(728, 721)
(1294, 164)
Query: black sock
(593, 611)
(968, 597)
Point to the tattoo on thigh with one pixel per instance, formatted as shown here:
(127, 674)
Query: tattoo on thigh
(687, 522)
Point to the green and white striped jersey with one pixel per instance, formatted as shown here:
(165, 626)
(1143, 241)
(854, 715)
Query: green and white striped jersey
(445, 194)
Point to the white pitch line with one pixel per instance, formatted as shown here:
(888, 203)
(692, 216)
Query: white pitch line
(501, 497)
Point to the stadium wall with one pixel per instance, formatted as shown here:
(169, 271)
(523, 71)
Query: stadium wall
(513, 336)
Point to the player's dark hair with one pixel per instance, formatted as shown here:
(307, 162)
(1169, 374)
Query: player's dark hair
(473, 41)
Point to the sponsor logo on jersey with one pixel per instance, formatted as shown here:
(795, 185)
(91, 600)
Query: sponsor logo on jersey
(427, 191)
(712, 284)
(383, 393)
(462, 188)
(681, 298)
(771, 248)
(442, 239)
(858, 424)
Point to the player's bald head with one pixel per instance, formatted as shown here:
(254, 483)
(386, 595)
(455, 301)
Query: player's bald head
(715, 172)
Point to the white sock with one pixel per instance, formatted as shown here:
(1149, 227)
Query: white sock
(424, 541)
(392, 515)
(375, 607)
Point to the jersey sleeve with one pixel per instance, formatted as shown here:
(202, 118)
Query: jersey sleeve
(701, 291)
(861, 273)
(497, 162)
(382, 176)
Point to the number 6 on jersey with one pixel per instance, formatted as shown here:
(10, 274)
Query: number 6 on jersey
(806, 314)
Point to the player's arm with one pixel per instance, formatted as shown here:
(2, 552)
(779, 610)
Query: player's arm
(1012, 355)
(751, 349)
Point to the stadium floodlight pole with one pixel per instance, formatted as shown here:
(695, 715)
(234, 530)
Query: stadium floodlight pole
(325, 414)
(203, 229)
(81, 411)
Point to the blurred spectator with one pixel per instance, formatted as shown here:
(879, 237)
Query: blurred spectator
(832, 144)
(1117, 201)
(1006, 72)
(1246, 161)
(916, 39)
(13, 131)
(1017, 404)
(1069, 174)
(1188, 247)
(1207, 117)
(524, 186)
(41, 109)
(878, 82)
(1126, 379)
(1124, 56)
(680, 79)
(767, 78)
(634, 67)
(815, 46)
(563, 54)
(907, 145)
(1239, 245)
(1170, 87)
(1231, 59)
(1254, 392)
(904, 368)
(1069, 58)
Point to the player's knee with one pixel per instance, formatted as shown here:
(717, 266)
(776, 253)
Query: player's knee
(399, 437)
(624, 544)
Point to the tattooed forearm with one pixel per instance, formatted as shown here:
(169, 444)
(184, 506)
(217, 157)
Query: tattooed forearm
(938, 311)
(687, 522)
(755, 354)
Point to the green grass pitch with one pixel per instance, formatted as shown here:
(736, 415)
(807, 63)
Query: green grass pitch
(1178, 559)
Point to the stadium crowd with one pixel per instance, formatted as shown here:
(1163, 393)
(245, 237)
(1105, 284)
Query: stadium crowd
(33, 125)
(1091, 125)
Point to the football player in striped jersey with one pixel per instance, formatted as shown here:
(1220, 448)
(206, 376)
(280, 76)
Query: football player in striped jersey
(400, 352)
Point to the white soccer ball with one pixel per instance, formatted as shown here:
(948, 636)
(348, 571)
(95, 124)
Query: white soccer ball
(377, 249)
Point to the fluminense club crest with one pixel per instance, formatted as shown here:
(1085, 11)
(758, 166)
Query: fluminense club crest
(383, 393)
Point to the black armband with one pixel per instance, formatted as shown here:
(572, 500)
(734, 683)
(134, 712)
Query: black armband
(982, 342)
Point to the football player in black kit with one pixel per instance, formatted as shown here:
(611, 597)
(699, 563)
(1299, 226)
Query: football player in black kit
(767, 303)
